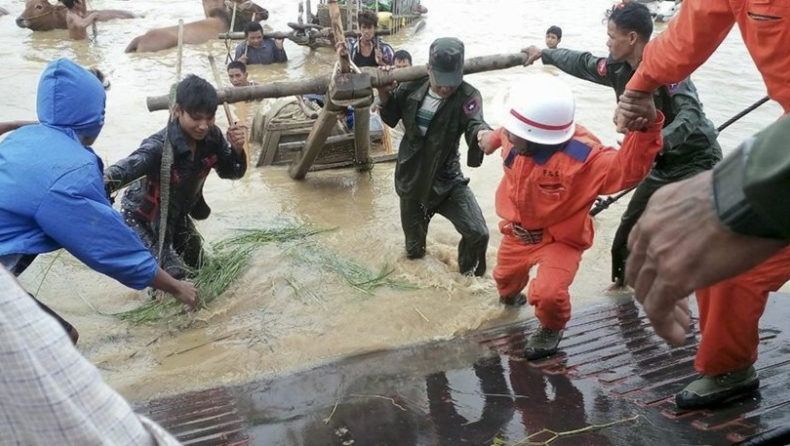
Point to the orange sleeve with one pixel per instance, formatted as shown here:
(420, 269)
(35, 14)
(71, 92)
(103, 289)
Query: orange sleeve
(627, 166)
(688, 41)
(496, 139)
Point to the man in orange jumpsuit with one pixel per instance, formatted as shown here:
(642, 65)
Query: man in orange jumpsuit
(554, 171)
(730, 310)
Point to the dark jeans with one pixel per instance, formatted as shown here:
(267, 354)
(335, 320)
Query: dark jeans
(461, 208)
(183, 244)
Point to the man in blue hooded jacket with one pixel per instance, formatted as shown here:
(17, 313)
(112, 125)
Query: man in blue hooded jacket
(58, 198)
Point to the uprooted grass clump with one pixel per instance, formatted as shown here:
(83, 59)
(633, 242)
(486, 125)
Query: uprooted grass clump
(223, 265)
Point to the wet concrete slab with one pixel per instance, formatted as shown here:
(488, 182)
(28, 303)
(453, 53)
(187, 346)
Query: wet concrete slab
(612, 373)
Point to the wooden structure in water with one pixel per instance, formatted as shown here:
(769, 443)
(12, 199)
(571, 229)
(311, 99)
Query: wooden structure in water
(306, 31)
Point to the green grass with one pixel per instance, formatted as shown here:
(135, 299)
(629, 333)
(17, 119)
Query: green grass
(222, 267)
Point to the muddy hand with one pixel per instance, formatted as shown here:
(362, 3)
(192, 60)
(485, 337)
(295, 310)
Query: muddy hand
(279, 43)
(187, 294)
(236, 136)
(533, 54)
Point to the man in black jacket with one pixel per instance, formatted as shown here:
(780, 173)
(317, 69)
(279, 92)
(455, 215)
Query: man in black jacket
(690, 145)
(436, 112)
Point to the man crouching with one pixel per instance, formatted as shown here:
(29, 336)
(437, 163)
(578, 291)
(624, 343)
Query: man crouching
(198, 146)
(554, 169)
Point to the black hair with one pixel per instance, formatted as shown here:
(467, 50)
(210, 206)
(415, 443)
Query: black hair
(252, 27)
(556, 30)
(195, 95)
(69, 3)
(633, 17)
(368, 18)
(402, 55)
(237, 64)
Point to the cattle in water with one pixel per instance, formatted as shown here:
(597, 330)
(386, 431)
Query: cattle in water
(217, 21)
(41, 15)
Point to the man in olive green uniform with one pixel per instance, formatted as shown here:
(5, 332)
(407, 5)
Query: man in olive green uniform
(436, 112)
(690, 145)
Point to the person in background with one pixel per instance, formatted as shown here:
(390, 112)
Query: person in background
(402, 59)
(553, 36)
(256, 49)
(368, 50)
(238, 76)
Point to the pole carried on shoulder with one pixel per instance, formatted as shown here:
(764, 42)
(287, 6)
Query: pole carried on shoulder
(602, 204)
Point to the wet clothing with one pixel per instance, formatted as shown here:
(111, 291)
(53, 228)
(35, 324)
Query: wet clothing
(702, 25)
(428, 177)
(729, 316)
(690, 145)
(140, 204)
(730, 310)
(58, 198)
(387, 53)
(544, 200)
(268, 53)
(688, 42)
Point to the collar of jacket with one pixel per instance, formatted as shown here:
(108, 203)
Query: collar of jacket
(177, 138)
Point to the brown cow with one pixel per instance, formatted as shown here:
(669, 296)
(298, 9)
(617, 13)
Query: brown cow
(217, 21)
(41, 15)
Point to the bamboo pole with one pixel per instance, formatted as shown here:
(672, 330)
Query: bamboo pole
(362, 138)
(337, 28)
(318, 85)
(228, 57)
(286, 35)
(315, 142)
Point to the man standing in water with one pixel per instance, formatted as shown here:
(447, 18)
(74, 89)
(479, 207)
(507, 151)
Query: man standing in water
(58, 198)
(690, 144)
(77, 19)
(436, 112)
(257, 49)
(368, 50)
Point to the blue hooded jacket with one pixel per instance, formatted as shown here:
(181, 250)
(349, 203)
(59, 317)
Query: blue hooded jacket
(52, 188)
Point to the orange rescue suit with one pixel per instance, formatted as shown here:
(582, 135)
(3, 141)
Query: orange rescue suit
(701, 26)
(730, 311)
(544, 202)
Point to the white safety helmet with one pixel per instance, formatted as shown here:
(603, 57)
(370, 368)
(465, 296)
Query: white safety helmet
(540, 109)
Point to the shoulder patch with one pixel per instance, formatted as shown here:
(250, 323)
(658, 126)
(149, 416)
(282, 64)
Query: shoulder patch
(577, 150)
(601, 67)
(673, 87)
(472, 105)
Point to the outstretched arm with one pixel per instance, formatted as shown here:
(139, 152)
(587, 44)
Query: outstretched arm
(6, 127)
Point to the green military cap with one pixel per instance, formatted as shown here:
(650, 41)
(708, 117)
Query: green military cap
(447, 61)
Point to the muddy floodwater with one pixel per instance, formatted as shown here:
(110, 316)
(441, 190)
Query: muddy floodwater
(285, 313)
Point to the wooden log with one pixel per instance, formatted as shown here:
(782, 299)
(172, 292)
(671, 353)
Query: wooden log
(337, 29)
(349, 163)
(287, 35)
(362, 139)
(315, 142)
(319, 85)
(296, 146)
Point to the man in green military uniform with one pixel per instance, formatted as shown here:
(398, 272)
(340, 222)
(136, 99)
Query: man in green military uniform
(436, 112)
(690, 145)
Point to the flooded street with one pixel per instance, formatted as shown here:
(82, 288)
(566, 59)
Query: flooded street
(286, 313)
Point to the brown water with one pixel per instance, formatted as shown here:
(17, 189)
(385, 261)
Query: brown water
(262, 325)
